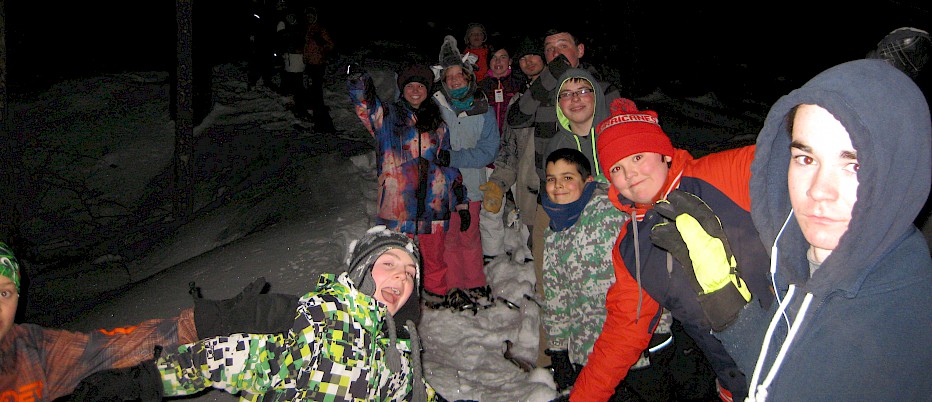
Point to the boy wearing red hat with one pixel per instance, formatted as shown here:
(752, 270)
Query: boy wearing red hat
(643, 167)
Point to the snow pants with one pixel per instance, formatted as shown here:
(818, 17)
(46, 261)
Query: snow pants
(463, 252)
(492, 229)
(435, 267)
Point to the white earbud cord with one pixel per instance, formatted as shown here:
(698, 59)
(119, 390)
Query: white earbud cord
(773, 262)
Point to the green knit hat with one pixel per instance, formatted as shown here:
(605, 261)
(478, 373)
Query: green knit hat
(9, 267)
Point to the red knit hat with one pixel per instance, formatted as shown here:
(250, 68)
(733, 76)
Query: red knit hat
(629, 131)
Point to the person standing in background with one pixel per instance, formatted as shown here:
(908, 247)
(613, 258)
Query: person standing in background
(416, 196)
(291, 30)
(501, 83)
(514, 166)
(317, 49)
(262, 56)
(530, 58)
(474, 141)
(475, 40)
(580, 106)
(536, 109)
(499, 86)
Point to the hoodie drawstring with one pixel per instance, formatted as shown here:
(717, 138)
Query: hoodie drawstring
(759, 392)
(595, 155)
(637, 261)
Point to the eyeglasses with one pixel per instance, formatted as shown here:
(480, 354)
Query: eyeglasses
(572, 94)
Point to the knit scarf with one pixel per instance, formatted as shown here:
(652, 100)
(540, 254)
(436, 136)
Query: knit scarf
(563, 216)
(459, 100)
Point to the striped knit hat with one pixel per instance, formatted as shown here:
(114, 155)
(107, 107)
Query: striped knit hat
(364, 252)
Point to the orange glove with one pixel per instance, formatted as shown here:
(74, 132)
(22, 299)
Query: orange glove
(492, 197)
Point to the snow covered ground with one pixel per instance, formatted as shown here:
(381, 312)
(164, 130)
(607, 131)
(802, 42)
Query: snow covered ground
(273, 199)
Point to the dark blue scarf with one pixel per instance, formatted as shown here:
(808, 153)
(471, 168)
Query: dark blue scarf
(563, 216)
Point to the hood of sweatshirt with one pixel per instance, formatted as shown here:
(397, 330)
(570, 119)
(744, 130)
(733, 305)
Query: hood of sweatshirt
(888, 120)
(601, 106)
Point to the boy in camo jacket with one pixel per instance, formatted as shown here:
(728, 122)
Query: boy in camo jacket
(577, 261)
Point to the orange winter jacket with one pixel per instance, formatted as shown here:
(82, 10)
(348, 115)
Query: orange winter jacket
(721, 179)
(40, 364)
(317, 45)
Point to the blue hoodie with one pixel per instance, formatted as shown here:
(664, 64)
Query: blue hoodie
(867, 332)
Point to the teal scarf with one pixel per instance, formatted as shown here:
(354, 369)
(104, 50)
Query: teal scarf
(461, 104)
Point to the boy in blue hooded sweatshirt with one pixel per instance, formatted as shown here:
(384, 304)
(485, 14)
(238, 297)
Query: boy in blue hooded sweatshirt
(842, 169)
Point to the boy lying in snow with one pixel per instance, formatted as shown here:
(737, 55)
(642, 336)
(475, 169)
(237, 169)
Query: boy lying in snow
(342, 345)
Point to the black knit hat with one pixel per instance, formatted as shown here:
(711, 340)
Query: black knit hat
(528, 46)
(364, 252)
(415, 73)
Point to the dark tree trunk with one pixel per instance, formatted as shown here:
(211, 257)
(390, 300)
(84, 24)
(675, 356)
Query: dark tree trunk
(184, 112)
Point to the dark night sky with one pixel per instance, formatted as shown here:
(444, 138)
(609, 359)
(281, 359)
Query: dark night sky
(698, 42)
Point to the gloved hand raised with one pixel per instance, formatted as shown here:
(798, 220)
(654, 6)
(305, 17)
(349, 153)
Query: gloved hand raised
(141, 382)
(491, 197)
(696, 239)
(252, 310)
(558, 66)
(464, 219)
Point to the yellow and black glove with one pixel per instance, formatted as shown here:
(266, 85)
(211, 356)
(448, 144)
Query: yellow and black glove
(492, 196)
(695, 237)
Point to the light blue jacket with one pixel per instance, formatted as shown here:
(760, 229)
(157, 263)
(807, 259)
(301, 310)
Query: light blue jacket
(474, 139)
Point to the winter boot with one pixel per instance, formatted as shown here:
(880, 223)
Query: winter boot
(458, 299)
(481, 295)
(433, 300)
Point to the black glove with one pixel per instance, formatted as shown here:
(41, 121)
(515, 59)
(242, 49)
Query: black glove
(443, 157)
(141, 382)
(564, 372)
(464, 219)
(695, 237)
(539, 93)
(558, 66)
(251, 311)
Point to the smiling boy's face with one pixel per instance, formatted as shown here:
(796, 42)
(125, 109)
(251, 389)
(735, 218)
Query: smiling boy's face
(641, 176)
(395, 276)
(564, 182)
